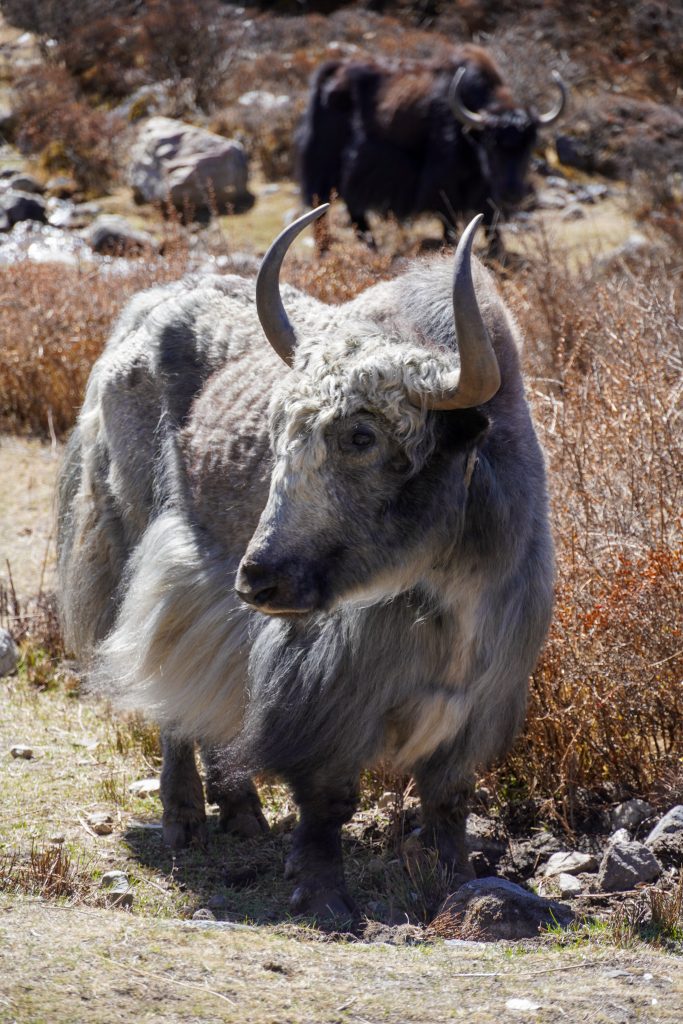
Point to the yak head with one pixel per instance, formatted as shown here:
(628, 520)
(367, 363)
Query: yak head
(374, 443)
(504, 137)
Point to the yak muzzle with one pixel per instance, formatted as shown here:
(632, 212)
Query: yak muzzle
(275, 592)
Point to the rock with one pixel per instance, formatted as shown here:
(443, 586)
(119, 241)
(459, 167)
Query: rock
(261, 99)
(61, 186)
(550, 200)
(666, 838)
(573, 212)
(144, 787)
(118, 892)
(523, 858)
(24, 183)
(518, 1005)
(625, 864)
(19, 750)
(569, 885)
(493, 908)
(631, 813)
(570, 863)
(110, 235)
(573, 152)
(285, 824)
(17, 206)
(203, 914)
(9, 655)
(193, 168)
(101, 823)
(387, 801)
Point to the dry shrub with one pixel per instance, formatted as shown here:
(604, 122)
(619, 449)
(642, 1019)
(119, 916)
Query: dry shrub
(604, 351)
(55, 322)
(47, 871)
(65, 132)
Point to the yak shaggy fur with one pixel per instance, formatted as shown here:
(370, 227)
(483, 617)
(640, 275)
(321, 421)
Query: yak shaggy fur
(432, 561)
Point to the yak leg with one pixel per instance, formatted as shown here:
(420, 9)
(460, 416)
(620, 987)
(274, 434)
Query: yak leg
(362, 228)
(182, 795)
(315, 861)
(495, 250)
(238, 802)
(445, 797)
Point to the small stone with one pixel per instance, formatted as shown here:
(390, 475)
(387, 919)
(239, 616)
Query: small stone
(144, 787)
(572, 863)
(9, 655)
(111, 235)
(626, 864)
(203, 914)
(573, 212)
(119, 892)
(522, 1005)
(666, 838)
(19, 750)
(569, 885)
(631, 813)
(387, 800)
(101, 823)
(57, 840)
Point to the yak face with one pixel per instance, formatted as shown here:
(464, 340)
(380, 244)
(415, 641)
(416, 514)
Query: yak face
(505, 146)
(354, 512)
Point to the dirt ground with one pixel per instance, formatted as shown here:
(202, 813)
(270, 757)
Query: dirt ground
(61, 964)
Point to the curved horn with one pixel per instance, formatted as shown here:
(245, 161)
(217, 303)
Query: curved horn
(468, 118)
(271, 312)
(552, 115)
(479, 378)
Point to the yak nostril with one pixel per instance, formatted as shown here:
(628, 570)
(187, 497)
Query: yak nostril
(264, 596)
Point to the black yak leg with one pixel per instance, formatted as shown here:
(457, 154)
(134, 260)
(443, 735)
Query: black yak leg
(182, 795)
(445, 796)
(315, 861)
(238, 802)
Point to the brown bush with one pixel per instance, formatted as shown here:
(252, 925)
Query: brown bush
(65, 132)
(604, 352)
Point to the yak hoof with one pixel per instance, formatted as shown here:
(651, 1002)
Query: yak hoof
(247, 824)
(333, 906)
(180, 832)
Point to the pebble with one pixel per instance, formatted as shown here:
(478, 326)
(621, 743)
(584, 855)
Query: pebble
(119, 892)
(572, 863)
(144, 787)
(101, 822)
(569, 885)
(19, 750)
(631, 813)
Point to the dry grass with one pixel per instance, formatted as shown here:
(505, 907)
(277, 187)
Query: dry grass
(47, 870)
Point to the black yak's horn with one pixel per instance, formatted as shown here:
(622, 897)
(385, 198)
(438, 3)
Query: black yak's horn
(468, 118)
(552, 115)
(271, 312)
(479, 371)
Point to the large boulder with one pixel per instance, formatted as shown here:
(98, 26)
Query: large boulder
(194, 169)
(490, 909)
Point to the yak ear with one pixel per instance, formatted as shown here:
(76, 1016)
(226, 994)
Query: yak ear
(462, 428)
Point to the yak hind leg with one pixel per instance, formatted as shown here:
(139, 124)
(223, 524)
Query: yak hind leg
(182, 794)
(445, 796)
(238, 802)
(315, 863)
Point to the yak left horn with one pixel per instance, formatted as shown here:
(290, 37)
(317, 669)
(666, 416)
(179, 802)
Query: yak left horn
(552, 115)
(271, 312)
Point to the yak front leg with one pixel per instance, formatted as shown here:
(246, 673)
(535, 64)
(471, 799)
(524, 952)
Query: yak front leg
(445, 796)
(238, 801)
(315, 861)
(182, 795)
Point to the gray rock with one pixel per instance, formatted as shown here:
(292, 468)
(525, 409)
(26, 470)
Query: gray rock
(101, 822)
(631, 813)
(110, 235)
(118, 891)
(203, 914)
(9, 654)
(573, 152)
(666, 838)
(485, 843)
(188, 166)
(145, 787)
(493, 908)
(523, 858)
(574, 212)
(261, 99)
(548, 199)
(572, 863)
(25, 183)
(113, 877)
(569, 885)
(625, 864)
(18, 206)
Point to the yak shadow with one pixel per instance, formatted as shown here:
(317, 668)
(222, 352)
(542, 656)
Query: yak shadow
(242, 880)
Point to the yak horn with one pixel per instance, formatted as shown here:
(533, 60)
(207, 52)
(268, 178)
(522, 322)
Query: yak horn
(468, 118)
(479, 371)
(271, 312)
(552, 115)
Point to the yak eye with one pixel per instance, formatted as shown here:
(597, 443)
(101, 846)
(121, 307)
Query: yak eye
(359, 437)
